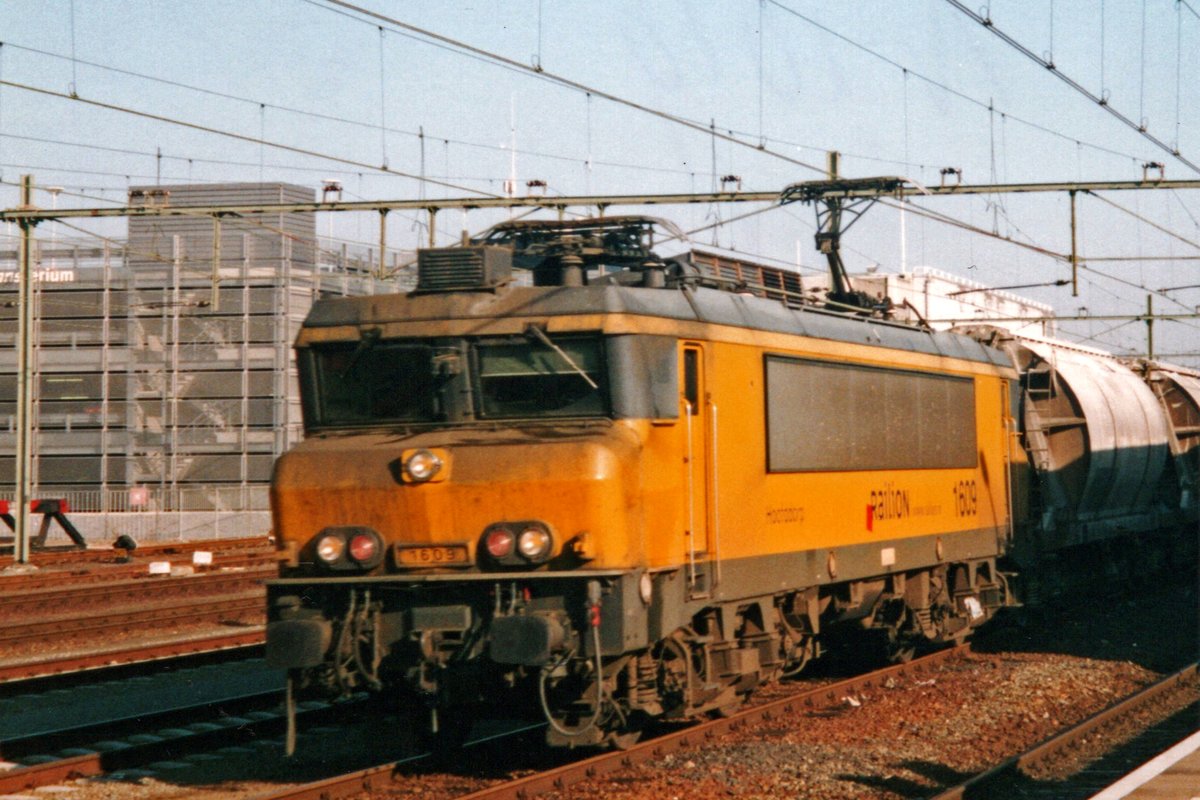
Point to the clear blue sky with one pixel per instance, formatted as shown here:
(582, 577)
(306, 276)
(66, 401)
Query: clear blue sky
(899, 87)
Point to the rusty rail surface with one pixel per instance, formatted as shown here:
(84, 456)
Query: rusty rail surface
(559, 778)
(148, 549)
(1060, 743)
(24, 779)
(82, 574)
(40, 601)
(243, 607)
(244, 638)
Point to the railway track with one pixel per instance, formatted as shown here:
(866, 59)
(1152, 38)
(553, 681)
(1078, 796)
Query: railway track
(248, 705)
(70, 576)
(145, 551)
(491, 760)
(127, 717)
(243, 607)
(103, 658)
(1084, 759)
(23, 604)
(558, 778)
(91, 614)
(105, 748)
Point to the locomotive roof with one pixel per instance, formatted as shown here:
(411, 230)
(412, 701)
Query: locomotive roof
(712, 306)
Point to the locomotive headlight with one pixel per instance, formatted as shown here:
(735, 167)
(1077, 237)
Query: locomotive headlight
(499, 542)
(534, 544)
(330, 548)
(422, 465)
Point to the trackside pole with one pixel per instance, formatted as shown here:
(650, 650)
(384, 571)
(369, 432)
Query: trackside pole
(24, 460)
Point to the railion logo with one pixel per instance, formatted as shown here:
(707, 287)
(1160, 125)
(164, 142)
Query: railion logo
(886, 504)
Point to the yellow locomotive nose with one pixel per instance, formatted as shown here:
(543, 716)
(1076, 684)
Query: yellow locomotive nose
(478, 500)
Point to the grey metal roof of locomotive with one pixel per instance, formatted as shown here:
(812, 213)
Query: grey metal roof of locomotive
(712, 306)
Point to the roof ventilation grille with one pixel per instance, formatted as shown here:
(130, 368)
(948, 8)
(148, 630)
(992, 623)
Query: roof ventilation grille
(459, 269)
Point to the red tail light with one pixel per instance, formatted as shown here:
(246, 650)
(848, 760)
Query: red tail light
(363, 548)
(499, 542)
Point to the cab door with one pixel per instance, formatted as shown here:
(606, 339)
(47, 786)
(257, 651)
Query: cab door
(695, 411)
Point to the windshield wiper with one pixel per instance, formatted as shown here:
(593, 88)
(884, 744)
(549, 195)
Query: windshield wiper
(367, 340)
(533, 331)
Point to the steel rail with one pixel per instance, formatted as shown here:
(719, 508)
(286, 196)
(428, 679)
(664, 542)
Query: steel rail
(221, 547)
(222, 731)
(247, 639)
(52, 741)
(82, 575)
(214, 609)
(559, 778)
(1058, 744)
(28, 602)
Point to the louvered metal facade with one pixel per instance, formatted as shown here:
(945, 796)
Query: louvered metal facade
(147, 378)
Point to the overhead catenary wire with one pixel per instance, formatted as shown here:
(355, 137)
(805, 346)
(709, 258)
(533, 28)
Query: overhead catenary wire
(395, 139)
(323, 170)
(941, 85)
(390, 129)
(1057, 256)
(80, 192)
(587, 161)
(231, 134)
(554, 78)
(1143, 219)
(1101, 100)
(1178, 68)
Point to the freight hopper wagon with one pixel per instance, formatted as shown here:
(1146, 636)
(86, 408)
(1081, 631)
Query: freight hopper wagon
(1114, 448)
(632, 489)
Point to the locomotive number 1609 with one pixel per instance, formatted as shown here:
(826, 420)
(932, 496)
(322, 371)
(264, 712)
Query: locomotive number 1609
(965, 499)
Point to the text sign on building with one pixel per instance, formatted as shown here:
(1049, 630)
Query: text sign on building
(41, 276)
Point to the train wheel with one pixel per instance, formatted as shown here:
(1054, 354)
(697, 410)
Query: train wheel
(892, 635)
(797, 657)
(675, 674)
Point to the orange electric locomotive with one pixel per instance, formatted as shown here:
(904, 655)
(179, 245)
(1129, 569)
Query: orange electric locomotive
(626, 487)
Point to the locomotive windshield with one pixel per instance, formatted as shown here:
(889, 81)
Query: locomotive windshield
(372, 382)
(538, 377)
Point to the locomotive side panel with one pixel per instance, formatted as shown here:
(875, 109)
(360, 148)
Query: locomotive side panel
(802, 472)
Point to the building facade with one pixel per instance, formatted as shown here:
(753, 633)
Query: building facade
(164, 380)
